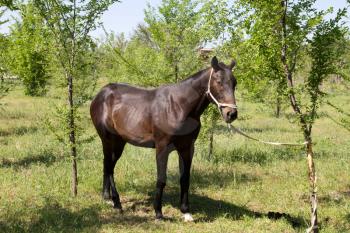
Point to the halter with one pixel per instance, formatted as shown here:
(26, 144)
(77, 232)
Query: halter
(233, 106)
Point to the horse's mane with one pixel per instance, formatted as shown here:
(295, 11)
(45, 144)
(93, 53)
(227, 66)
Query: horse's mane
(195, 75)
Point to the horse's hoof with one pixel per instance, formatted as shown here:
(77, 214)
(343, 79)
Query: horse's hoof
(118, 208)
(159, 217)
(188, 217)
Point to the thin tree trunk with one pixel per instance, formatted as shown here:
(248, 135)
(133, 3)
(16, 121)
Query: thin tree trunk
(72, 142)
(278, 106)
(307, 131)
(211, 139)
(312, 180)
(71, 107)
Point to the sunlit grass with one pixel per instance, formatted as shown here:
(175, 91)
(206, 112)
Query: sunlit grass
(237, 191)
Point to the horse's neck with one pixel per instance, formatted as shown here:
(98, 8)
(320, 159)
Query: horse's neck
(197, 87)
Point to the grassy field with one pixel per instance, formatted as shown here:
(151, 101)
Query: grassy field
(239, 190)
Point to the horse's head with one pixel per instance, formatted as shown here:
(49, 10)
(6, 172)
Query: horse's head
(221, 89)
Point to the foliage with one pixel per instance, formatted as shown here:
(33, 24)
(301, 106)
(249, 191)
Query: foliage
(29, 51)
(132, 61)
(70, 23)
(4, 41)
(259, 53)
(176, 32)
(209, 121)
(343, 70)
(344, 120)
(325, 54)
(262, 36)
(297, 26)
(11, 4)
(161, 51)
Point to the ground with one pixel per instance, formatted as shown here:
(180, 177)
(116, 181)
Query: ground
(244, 187)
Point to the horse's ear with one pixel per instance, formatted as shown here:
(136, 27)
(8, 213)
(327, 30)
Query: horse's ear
(215, 63)
(233, 64)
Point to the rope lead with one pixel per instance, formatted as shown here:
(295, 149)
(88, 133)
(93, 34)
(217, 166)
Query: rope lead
(261, 141)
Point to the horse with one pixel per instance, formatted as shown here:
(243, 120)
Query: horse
(166, 118)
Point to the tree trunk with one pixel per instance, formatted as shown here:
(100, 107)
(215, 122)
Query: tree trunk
(312, 180)
(211, 137)
(307, 131)
(211, 140)
(72, 143)
(71, 106)
(278, 106)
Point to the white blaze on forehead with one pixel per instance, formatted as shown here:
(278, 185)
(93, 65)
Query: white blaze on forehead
(188, 217)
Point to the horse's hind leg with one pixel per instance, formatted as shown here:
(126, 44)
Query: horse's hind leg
(112, 150)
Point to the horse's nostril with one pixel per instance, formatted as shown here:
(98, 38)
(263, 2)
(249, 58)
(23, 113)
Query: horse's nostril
(233, 115)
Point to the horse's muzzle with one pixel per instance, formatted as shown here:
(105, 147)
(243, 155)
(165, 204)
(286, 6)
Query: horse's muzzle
(230, 115)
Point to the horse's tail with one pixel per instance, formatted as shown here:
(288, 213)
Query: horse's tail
(97, 111)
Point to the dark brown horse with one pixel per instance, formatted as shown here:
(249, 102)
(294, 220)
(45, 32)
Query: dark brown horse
(166, 118)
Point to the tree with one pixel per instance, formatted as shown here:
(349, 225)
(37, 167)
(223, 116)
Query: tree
(132, 61)
(4, 6)
(3, 43)
(324, 55)
(176, 33)
(70, 23)
(298, 29)
(29, 51)
(259, 54)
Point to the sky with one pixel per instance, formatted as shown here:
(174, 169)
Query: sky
(124, 16)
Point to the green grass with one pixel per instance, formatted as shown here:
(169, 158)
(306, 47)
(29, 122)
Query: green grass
(237, 191)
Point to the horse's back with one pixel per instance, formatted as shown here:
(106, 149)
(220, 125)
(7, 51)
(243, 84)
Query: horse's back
(115, 94)
(124, 110)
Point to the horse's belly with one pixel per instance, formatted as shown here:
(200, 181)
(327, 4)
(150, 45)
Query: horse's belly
(133, 127)
(144, 143)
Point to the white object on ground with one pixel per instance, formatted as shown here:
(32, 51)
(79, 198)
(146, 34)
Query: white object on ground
(188, 217)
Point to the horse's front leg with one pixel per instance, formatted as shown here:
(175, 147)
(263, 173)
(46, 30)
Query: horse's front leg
(162, 154)
(185, 161)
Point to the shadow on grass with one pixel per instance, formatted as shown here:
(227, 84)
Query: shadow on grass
(211, 209)
(347, 217)
(18, 131)
(52, 217)
(11, 115)
(219, 178)
(212, 178)
(46, 157)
